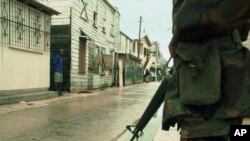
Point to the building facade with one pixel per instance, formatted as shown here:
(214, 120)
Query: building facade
(150, 56)
(132, 71)
(142, 51)
(127, 43)
(24, 45)
(88, 31)
(156, 63)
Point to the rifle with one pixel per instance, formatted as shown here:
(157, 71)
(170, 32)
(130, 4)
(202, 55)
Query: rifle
(151, 109)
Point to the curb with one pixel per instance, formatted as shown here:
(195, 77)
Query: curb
(27, 97)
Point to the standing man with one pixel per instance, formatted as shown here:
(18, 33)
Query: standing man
(212, 68)
(58, 75)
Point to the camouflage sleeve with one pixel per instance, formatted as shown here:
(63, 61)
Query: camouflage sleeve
(172, 46)
(173, 43)
(195, 19)
(230, 12)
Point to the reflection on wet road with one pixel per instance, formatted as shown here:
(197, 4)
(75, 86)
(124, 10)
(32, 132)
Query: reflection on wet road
(101, 117)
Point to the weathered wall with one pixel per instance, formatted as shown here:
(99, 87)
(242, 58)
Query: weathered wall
(133, 74)
(104, 35)
(24, 47)
(63, 7)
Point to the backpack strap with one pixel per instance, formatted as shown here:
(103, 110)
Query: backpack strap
(237, 38)
(230, 41)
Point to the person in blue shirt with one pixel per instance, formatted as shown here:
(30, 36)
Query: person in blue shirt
(58, 74)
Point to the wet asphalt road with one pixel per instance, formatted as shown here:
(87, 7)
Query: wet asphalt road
(98, 116)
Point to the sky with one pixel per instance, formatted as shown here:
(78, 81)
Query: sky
(156, 20)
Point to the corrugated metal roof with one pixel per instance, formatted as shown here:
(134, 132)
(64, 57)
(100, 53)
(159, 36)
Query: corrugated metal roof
(39, 6)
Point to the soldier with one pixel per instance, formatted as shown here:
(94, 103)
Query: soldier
(212, 68)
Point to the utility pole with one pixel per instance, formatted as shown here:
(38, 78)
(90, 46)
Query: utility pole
(139, 38)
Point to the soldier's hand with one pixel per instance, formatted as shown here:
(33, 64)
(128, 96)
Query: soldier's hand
(171, 49)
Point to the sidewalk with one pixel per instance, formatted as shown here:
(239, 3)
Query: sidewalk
(16, 97)
(21, 105)
(171, 135)
(27, 96)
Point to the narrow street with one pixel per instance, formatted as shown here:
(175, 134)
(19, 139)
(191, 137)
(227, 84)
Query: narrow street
(96, 116)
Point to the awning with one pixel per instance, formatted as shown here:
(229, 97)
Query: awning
(84, 35)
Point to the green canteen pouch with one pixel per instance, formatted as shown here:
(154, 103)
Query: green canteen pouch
(199, 72)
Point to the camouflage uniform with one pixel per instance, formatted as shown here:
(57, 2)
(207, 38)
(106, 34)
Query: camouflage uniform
(212, 68)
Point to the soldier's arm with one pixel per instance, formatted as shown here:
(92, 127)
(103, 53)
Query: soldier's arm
(172, 46)
(244, 31)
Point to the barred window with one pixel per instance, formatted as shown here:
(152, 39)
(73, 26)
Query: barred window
(4, 16)
(23, 26)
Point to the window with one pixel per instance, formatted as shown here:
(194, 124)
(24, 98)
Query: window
(112, 26)
(47, 32)
(145, 51)
(37, 33)
(141, 49)
(19, 26)
(104, 30)
(24, 27)
(82, 56)
(95, 15)
(95, 19)
(4, 23)
(91, 56)
(134, 46)
(104, 20)
(97, 60)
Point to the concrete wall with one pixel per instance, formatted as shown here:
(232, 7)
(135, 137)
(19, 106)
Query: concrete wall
(22, 69)
(24, 48)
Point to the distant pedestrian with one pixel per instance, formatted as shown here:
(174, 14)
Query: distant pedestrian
(153, 76)
(146, 76)
(58, 74)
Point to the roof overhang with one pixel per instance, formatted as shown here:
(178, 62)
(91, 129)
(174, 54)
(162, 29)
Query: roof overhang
(147, 39)
(84, 35)
(131, 57)
(40, 7)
